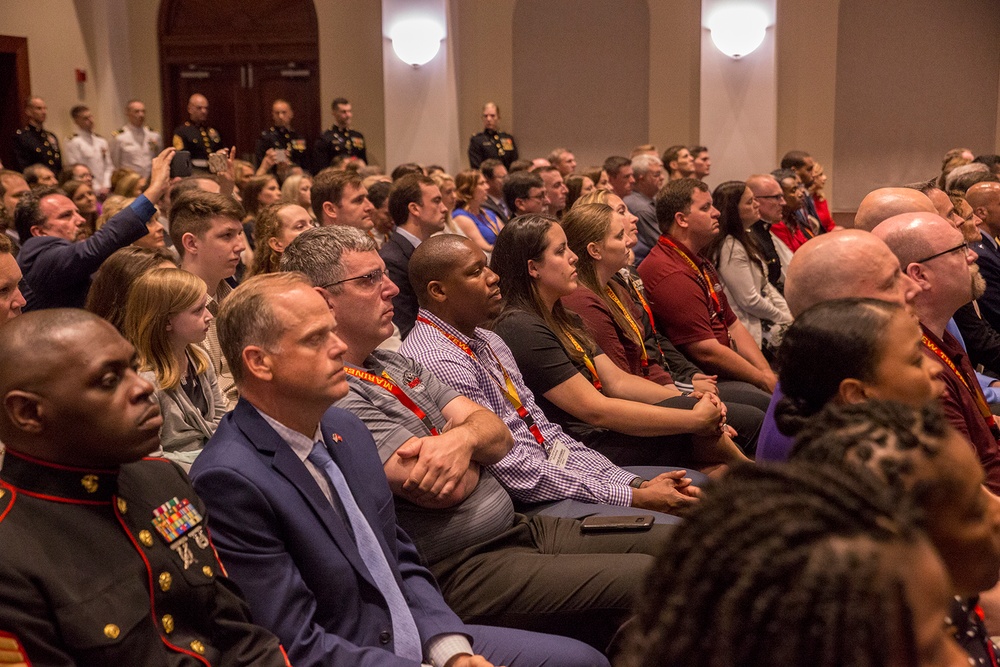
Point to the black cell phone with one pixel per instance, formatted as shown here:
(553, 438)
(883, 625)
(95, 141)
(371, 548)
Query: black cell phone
(601, 524)
(180, 165)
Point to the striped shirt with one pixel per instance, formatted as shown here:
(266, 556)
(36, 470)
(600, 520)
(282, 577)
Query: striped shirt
(526, 470)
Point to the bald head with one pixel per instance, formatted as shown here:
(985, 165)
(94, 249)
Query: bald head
(884, 203)
(851, 263)
(435, 259)
(198, 108)
(913, 236)
(984, 198)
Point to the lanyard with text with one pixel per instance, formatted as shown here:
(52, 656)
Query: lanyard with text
(596, 381)
(637, 290)
(635, 327)
(973, 387)
(703, 278)
(390, 386)
(508, 388)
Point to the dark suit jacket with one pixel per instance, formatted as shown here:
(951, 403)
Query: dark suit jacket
(989, 267)
(396, 253)
(290, 552)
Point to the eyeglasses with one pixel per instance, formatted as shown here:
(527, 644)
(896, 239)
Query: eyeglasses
(369, 280)
(964, 247)
(780, 196)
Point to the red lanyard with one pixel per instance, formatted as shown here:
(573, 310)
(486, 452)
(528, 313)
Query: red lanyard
(635, 327)
(989, 642)
(508, 388)
(596, 380)
(705, 278)
(390, 386)
(649, 311)
(973, 387)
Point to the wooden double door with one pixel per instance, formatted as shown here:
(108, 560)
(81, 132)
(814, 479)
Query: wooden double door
(240, 95)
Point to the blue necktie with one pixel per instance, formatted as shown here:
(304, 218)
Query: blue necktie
(404, 630)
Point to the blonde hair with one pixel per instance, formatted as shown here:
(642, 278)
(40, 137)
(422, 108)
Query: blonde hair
(290, 189)
(266, 226)
(113, 205)
(155, 297)
(598, 196)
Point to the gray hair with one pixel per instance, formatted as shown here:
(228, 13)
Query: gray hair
(643, 164)
(317, 252)
(247, 318)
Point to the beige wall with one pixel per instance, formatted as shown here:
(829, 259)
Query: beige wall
(874, 105)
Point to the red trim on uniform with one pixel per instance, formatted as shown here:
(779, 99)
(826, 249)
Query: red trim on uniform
(211, 543)
(13, 497)
(282, 649)
(24, 656)
(58, 466)
(156, 458)
(57, 499)
(185, 651)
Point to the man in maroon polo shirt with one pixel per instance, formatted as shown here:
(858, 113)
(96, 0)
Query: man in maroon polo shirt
(937, 258)
(685, 292)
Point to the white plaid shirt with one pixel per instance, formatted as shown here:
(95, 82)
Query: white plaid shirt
(525, 471)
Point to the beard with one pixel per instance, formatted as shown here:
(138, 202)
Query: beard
(978, 283)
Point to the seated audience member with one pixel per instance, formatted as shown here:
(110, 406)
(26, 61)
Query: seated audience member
(771, 205)
(702, 162)
(476, 222)
(599, 177)
(155, 238)
(649, 178)
(208, 234)
(406, 169)
(956, 157)
(818, 197)
(804, 167)
(739, 397)
(992, 161)
(519, 165)
(303, 514)
(382, 224)
(126, 183)
(794, 229)
(76, 172)
(57, 267)
(628, 419)
(254, 193)
(920, 457)
(984, 198)
(416, 207)
(578, 185)
(458, 295)
(495, 172)
(82, 194)
(555, 190)
(243, 171)
(297, 189)
(740, 262)
(849, 264)
(937, 258)
(340, 198)
(685, 292)
(493, 565)
(166, 319)
(963, 178)
(449, 197)
(799, 564)
(883, 203)
(596, 234)
(621, 178)
(114, 280)
(77, 422)
(563, 160)
(12, 188)
(11, 299)
(644, 149)
(40, 176)
(275, 227)
(850, 351)
(678, 163)
(525, 193)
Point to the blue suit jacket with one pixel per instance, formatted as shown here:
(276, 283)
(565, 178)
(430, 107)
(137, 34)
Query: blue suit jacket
(989, 267)
(396, 253)
(289, 551)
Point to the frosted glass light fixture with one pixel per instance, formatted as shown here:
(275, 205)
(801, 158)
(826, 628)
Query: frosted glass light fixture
(416, 41)
(737, 28)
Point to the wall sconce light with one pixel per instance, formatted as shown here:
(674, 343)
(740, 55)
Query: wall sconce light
(416, 41)
(738, 29)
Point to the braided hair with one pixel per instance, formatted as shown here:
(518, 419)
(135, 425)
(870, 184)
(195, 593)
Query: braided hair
(791, 564)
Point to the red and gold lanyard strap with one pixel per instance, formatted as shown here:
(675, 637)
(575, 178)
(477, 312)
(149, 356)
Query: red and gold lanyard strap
(989, 642)
(390, 386)
(635, 327)
(649, 311)
(596, 380)
(508, 388)
(974, 389)
(705, 278)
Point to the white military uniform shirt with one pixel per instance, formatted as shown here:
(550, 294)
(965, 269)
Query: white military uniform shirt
(92, 150)
(134, 148)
